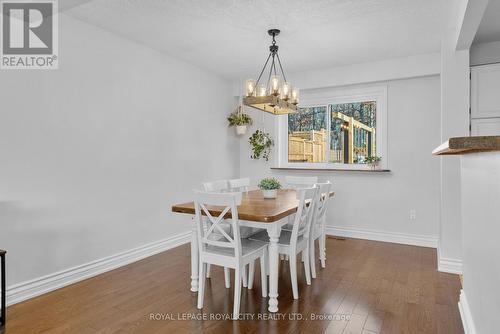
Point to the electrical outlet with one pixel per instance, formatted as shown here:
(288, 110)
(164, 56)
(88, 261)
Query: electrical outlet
(413, 214)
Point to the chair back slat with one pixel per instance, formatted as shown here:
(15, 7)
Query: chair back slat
(239, 184)
(297, 182)
(210, 230)
(215, 223)
(216, 186)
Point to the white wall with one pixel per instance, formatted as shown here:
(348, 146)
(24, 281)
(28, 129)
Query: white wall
(381, 201)
(93, 155)
(485, 53)
(481, 249)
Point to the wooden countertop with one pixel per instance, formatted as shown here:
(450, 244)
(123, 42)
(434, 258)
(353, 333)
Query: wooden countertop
(465, 145)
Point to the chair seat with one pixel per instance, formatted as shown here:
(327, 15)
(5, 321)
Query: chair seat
(283, 241)
(247, 232)
(247, 247)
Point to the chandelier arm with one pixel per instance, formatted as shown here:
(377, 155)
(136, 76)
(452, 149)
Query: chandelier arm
(281, 67)
(265, 65)
(270, 72)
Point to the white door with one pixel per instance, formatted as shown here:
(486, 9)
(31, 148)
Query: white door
(485, 91)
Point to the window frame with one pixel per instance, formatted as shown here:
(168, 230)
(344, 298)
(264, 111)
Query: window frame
(326, 97)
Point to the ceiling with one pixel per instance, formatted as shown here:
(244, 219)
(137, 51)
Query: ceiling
(489, 29)
(229, 37)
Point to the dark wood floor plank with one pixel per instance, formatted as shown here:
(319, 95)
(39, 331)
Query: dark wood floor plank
(367, 287)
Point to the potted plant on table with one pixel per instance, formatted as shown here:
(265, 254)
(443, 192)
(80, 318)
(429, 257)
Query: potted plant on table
(269, 187)
(239, 120)
(373, 161)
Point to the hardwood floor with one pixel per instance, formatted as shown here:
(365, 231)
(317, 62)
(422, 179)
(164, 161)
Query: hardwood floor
(368, 287)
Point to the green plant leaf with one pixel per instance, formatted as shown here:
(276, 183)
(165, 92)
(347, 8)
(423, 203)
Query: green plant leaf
(269, 183)
(261, 144)
(239, 118)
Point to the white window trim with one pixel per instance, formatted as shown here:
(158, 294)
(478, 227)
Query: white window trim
(326, 96)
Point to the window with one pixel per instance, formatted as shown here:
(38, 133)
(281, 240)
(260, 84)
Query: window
(352, 131)
(307, 135)
(335, 129)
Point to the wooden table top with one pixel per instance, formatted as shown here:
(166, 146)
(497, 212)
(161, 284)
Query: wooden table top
(254, 206)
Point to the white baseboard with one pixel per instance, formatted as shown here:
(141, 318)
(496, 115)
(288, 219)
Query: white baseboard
(465, 314)
(448, 265)
(399, 238)
(26, 290)
(451, 266)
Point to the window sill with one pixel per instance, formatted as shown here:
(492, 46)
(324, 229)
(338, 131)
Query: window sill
(334, 169)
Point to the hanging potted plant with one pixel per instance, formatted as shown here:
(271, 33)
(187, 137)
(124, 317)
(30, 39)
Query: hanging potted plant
(239, 120)
(261, 144)
(373, 161)
(269, 187)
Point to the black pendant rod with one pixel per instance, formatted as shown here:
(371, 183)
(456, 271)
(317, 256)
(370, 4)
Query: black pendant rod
(274, 54)
(270, 72)
(265, 65)
(281, 67)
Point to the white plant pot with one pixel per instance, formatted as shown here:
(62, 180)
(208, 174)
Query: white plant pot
(270, 193)
(241, 130)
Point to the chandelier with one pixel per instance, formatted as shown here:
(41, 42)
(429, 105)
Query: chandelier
(276, 96)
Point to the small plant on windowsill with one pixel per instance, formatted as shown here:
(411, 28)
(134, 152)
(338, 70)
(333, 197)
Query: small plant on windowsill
(373, 161)
(269, 187)
(239, 120)
(261, 144)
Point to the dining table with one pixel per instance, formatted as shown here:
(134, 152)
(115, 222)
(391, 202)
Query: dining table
(257, 212)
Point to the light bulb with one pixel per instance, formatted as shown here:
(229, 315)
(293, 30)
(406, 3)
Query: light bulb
(295, 96)
(261, 90)
(250, 87)
(274, 85)
(285, 90)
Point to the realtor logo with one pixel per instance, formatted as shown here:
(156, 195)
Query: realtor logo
(29, 34)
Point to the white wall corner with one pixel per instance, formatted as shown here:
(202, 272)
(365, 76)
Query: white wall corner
(465, 314)
(448, 265)
(38, 286)
(398, 238)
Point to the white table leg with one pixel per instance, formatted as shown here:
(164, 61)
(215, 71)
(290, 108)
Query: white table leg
(194, 258)
(274, 232)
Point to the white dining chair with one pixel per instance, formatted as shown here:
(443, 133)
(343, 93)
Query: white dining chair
(318, 226)
(219, 248)
(241, 185)
(291, 243)
(297, 182)
(221, 186)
